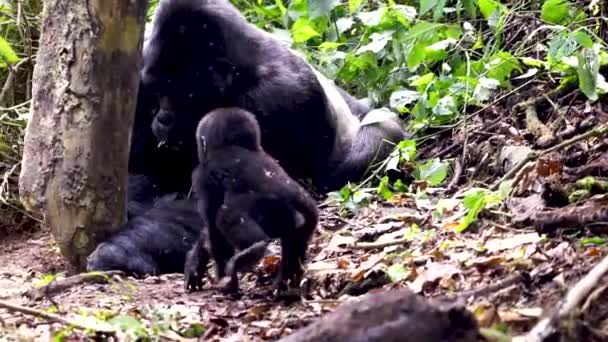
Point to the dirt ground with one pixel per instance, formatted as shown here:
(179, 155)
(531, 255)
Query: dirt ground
(436, 263)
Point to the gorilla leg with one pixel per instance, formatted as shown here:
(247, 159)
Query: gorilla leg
(245, 234)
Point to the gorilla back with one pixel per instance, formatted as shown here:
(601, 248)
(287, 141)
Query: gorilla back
(154, 243)
(203, 54)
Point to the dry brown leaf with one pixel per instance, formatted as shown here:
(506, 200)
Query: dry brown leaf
(372, 260)
(511, 242)
(432, 272)
(338, 241)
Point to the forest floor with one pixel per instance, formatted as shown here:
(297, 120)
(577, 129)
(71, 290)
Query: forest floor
(511, 264)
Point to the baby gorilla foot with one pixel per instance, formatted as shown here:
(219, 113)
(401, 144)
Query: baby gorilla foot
(195, 268)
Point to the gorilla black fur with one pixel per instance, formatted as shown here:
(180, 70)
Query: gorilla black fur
(203, 54)
(153, 243)
(246, 199)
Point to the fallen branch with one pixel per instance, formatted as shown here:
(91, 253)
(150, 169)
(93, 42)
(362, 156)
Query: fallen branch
(577, 294)
(532, 156)
(53, 318)
(59, 285)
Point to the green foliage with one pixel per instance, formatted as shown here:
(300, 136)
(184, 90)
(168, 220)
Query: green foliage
(478, 199)
(351, 198)
(396, 273)
(433, 172)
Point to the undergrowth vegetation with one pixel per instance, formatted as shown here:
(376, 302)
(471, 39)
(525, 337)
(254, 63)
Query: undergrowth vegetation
(439, 63)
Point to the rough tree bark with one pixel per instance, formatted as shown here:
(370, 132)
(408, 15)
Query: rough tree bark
(74, 168)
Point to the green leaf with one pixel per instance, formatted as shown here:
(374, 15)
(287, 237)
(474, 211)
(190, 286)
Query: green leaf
(302, 31)
(384, 189)
(320, 8)
(407, 149)
(596, 240)
(371, 18)
(416, 56)
(588, 71)
(353, 5)
(434, 172)
(7, 53)
(402, 98)
(427, 5)
(378, 42)
(475, 202)
(487, 7)
(555, 11)
(561, 45)
(583, 39)
(126, 323)
(469, 6)
(423, 81)
(445, 106)
(396, 273)
(329, 46)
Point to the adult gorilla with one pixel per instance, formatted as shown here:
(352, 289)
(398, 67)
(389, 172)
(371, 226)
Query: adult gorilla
(203, 54)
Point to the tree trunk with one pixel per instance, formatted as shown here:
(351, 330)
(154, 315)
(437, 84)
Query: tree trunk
(74, 168)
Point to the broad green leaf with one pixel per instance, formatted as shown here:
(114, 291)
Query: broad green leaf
(406, 12)
(396, 273)
(402, 98)
(423, 81)
(126, 322)
(470, 7)
(302, 31)
(588, 71)
(438, 11)
(407, 149)
(384, 189)
(378, 42)
(475, 202)
(484, 89)
(561, 45)
(427, 5)
(371, 18)
(320, 8)
(7, 53)
(583, 39)
(445, 106)
(555, 11)
(434, 172)
(353, 5)
(416, 56)
(329, 46)
(344, 24)
(501, 65)
(487, 7)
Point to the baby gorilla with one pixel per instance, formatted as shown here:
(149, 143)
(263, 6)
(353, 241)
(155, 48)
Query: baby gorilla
(153, 243)
(246, 199)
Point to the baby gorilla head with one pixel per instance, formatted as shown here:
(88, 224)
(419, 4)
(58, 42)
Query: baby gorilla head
(227, 127)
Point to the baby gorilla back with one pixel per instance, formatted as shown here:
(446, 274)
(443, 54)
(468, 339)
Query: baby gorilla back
(247, 199)
(153, 243)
